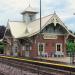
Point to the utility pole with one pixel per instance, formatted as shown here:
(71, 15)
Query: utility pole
(40, 17)
(40, 37)
(40, 33)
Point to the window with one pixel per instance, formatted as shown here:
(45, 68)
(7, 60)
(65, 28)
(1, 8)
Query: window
(23, 48)
(58, 47)
(31, 17)
(41, 47)
(54, 28)
(28, 47)
(16, 49)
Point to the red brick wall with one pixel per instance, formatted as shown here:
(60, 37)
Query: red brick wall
(34, 51)
(50, 45)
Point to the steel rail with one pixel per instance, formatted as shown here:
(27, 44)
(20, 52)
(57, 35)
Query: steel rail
(44, 68)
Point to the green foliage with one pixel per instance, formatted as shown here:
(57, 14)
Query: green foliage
(1, 47)
(1, 43)
(71, 50)
(70, 47)
(71, 31)
(2, 30)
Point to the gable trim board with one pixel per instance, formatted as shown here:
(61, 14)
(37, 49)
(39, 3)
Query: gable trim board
(18, 28)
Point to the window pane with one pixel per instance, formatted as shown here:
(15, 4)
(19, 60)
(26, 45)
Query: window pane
(58, 47)
(40, 47)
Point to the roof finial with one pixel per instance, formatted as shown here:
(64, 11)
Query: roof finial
(8, 21)
(29, 5)
(54, 12)
(29, 2)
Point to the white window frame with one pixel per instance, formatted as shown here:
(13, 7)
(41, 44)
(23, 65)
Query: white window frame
(60, 46)
(23, 48)
(43, 48)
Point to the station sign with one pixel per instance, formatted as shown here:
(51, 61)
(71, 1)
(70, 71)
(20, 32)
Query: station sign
(48, 36)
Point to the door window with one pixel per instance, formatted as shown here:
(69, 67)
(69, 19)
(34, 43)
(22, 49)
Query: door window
(40, 48)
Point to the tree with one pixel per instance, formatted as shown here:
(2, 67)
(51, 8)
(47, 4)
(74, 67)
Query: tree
(71, 50)
(74, 33)
(2, 30)
(1, 48)
(70, 31)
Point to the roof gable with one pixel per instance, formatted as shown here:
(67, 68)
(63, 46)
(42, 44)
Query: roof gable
(55, 30)
(55, 19)
(19, 29)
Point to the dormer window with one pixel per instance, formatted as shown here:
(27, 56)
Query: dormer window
(31, 17)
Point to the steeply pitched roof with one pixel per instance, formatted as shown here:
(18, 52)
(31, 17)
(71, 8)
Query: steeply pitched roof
(18, 29)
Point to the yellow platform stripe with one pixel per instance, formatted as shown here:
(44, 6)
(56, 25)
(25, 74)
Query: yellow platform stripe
(47, 63)
(40, 62)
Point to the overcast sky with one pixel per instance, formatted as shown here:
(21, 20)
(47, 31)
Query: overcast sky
(11, 9)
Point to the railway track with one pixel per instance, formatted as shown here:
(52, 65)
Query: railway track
(36, 68)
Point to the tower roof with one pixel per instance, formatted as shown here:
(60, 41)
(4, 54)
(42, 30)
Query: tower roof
(29, 9)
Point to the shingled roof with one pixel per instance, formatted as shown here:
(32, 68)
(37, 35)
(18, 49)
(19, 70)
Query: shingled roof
(29, 9)
(18, 29)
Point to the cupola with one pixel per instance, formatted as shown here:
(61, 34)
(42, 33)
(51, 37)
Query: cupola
(29, 14)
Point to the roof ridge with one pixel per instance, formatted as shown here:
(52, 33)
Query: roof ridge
(33, 20)
(39, 18)
(16, 21)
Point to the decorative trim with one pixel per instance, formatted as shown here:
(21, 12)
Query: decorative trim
(66, 37)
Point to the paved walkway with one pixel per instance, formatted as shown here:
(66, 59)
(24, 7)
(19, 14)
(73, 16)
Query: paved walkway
(60, 59)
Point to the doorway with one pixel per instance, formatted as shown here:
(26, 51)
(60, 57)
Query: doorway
(41, 48)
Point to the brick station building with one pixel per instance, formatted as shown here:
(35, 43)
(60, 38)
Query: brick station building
(22, 38)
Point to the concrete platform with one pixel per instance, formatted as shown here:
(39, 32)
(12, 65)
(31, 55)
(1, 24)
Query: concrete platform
(60, 59)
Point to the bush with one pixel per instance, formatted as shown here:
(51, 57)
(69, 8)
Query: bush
(1, 48)
(1, 43)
